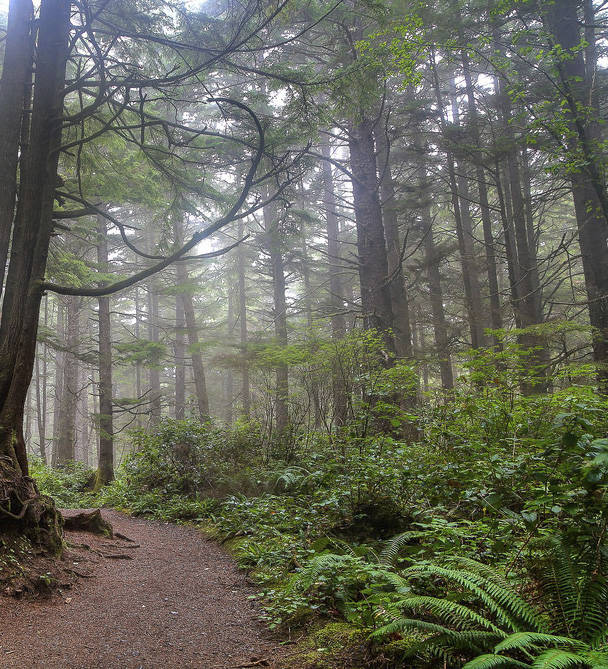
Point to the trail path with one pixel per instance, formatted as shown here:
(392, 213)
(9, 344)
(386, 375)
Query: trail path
(179, 602)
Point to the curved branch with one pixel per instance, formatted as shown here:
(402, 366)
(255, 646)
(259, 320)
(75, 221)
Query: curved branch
(196, 238)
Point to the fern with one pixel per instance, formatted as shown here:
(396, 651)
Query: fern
(394, 546)
(454, 613)
(503, 621)
(490, 661)
(505, 604)
(558, 659)
(527, 639)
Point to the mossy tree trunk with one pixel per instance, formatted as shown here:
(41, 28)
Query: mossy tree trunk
(36, 159)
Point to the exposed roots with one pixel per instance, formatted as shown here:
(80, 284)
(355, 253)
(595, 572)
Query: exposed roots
(25, 512)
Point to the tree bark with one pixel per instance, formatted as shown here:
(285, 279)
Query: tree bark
(105, 466)
(482, 189)
(272, 229)
(399, 299)
(371, 245)
(41, 391)
(577, 79)
(336, 295)
(432, 262)
(527, 293)
(242, 306)
(180, 359)
(154, 369)
(14, 94)
(464, 227)
(23, 292)
(66, 444)
(198, 369)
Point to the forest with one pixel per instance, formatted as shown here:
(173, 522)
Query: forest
(316, 291)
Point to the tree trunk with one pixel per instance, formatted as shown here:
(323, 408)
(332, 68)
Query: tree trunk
(484, 206)
(432, 262)
(66, 444)
(272, 228)
(336, 295)
(14, 94)
(180, 359)
(245, 384)
(371, 246)
(30, 243)
(464, 227)
(105, 466)
(154, 370)
(578, 82)
(59, 362)
(41, 390)
(527, 290)
(399, 300)
(138, 366)
(228, 378)
(198, 369)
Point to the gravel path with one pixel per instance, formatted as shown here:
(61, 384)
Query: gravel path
(180, 602)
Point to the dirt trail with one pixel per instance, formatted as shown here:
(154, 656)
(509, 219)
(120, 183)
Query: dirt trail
(179, 602)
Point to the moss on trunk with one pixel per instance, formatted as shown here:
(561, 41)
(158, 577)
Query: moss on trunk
(25, 512)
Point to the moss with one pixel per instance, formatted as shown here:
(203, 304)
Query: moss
(336, 645)
(45, 526)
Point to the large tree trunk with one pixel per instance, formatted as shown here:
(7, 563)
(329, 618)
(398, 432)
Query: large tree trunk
(578, 82)
(66, 443)
(245, 384)
(336, 296)
(371, 245)
(432, 261)
(180, 359)
(105, 466)
(14, 96)
(198, 370)
(399, 300)
(272, 228)
(35, 515)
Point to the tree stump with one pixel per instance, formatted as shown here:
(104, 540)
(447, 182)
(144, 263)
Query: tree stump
(88, 521)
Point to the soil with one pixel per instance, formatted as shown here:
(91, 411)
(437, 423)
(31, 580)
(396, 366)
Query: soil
(156, 595)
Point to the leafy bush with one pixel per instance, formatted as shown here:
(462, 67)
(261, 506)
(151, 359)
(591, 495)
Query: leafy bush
(363, 526)
(67, 484)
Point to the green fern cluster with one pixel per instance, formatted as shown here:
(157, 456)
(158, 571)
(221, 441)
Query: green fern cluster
(483, 616)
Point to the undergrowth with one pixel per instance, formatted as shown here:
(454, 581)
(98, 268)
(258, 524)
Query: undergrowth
(482, 545)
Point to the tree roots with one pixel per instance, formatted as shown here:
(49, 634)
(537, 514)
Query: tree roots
(25, 512)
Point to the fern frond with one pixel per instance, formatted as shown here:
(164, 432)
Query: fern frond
(490, 661)
(558, 659)
(527, 639)
(488, 572)
(326, 561)
(394, 546)
(506, 605)
(404, 624)
(592, 619)
(400, 584)
(559, 583)
(451, 612)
